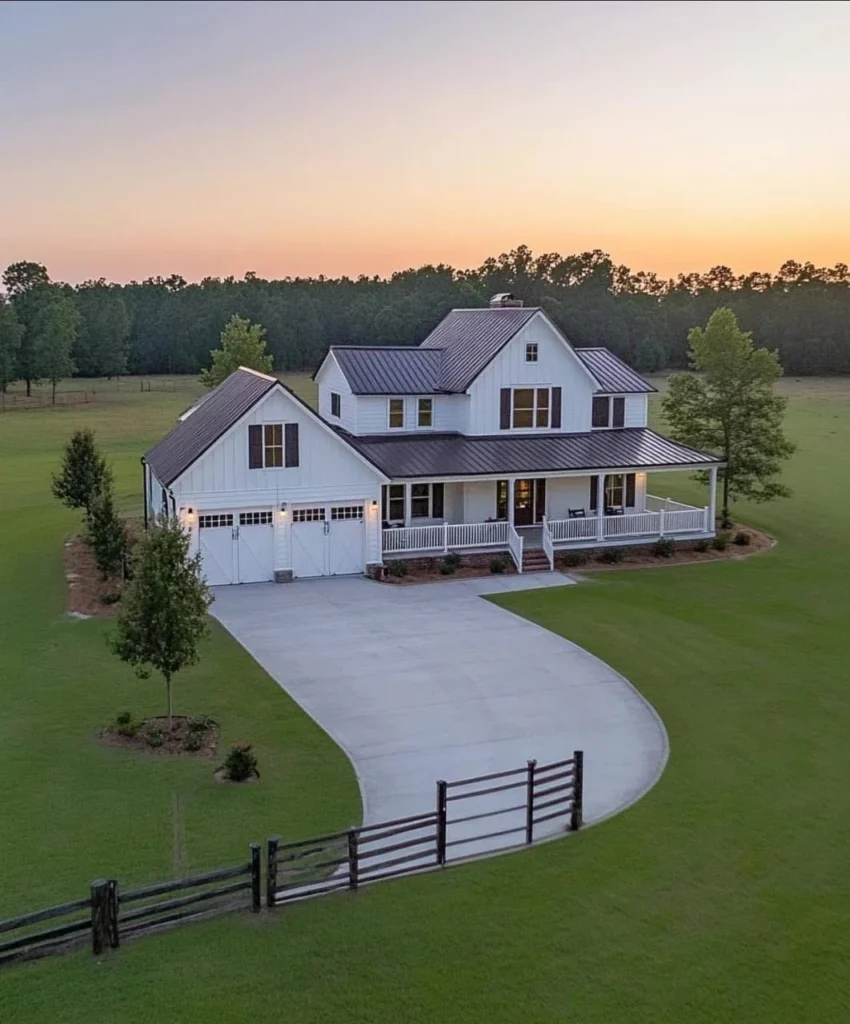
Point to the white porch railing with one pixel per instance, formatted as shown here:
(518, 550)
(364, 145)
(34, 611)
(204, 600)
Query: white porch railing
(414, 538)
(572, 529)
(633, 524)
(478, 535)
(548, 548)
(446, 536)
(686, 520)
(515, 542)
(656, 504)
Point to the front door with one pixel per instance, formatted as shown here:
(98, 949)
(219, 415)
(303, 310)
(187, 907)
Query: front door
(529, 502)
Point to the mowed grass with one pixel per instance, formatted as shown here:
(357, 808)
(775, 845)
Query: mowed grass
(72, 809)
(722, 896)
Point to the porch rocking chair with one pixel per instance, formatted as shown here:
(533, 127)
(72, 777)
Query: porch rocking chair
(576, 513)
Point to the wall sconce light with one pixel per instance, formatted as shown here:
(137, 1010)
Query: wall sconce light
(283, 508)
(374, 505)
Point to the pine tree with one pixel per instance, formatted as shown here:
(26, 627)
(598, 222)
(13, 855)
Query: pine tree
(163, 613)
(106, 534)
(84, 472)
(242, 344)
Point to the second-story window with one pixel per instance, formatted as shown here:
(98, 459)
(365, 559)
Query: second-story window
(425, 413)
(531, 352)
(335, 404)
(608, 412)
(396, 413)
(530, 407)
(273, 445)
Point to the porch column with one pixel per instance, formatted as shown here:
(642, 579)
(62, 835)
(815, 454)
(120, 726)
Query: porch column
(712, 500)
(407, 489)
(511, 483)
(600, 506)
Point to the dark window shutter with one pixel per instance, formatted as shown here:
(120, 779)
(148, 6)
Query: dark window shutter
(540, 499)
(619, 412)
(384, 502)
(290, 445)
(630, 490)
(556, 408)
(501, 499)
(437, 491)
(255, 447)
(505, 409)
(593, 505)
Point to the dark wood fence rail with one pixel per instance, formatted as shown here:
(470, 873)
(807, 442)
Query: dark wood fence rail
(313, 867)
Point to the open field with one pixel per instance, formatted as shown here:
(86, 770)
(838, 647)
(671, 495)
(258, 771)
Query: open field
(721, 897)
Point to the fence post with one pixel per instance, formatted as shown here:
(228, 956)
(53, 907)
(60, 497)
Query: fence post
(661, 523)
(352, 858)
(271, 870)
(112, 914)
(529, 802)
(99, 897)
(441, 823)
(578, 791)
(256, 890)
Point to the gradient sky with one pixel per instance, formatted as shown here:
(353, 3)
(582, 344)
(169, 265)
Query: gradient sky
(306, 138)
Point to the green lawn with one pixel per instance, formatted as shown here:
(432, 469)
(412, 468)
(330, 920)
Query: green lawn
(721, 896)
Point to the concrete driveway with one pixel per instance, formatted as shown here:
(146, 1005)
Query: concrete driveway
(430, 682)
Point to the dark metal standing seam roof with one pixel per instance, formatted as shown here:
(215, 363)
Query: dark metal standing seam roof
(221, 408)
(613, 374)
(390, 370)
(444, 455)
(470, 338)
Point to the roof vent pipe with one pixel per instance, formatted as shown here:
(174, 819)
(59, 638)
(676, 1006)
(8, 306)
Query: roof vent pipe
(503, 299)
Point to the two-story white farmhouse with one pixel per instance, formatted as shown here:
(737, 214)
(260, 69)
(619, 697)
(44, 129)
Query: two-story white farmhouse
(494, 434)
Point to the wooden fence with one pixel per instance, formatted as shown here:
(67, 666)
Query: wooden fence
(458, 827)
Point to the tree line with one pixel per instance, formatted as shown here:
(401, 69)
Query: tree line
(50, 330)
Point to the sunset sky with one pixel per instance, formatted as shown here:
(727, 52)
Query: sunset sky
(343, 138)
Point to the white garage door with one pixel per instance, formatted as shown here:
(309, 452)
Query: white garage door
(237, 547)
(328, 540)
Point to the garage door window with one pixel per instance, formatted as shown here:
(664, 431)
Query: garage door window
(339, 512)
(255, 518)
(210, 522)
(308, 515)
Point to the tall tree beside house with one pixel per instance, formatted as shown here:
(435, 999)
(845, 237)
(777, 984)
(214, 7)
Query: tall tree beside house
(83, 474)
(163, 615)
(27, 284)
(11, 332)
(54, 332)
(107, 536)
(729, 406)
(242, 344)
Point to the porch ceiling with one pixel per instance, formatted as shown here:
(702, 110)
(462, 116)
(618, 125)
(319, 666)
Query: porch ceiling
(455, 455)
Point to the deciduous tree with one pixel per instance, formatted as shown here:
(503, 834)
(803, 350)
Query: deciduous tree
(163, 615)
(729, 406)
(54, 332)
(242, 344)
(11, 332)
(107, 535)
(83, 474)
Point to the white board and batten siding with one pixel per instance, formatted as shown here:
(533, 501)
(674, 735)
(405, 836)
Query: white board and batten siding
(635, 411)
(450, 413)
(332, 380)
(330, 476)
(556, 366)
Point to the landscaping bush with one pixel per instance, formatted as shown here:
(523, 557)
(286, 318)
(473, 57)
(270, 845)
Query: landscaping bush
(741, 539)
(109, 598)
(574, 558)
(397, 568)
(453, 559)
(448, 567)
(241, 764)
(663, 548)
(124, 724)
(720, 542)
(194, 741)
(701, 545)
(498, 566)
(155, 737)
(611, 556)
(199, 724)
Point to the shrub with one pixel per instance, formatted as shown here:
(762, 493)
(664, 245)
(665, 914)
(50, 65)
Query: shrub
(194, 741)
(574, 558)
(107, 536)
(124, 717)
(453, 559)
(109, 598)
(611, 556)
(498, 566)
(663, 548)
(200, 723)
(155, 737)
(124, 724)
(720, 541)
(241, 764)
(447, 567)
(701, 545)
(397, 568)
(741, 539)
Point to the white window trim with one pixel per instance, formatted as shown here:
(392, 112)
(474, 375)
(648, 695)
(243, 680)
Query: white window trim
(430, 487)
(535, 388)
(336, 395)
(529, 345)
(610, 424)
(390, 499)
(275, 423)
(390, 400)
(424, 426)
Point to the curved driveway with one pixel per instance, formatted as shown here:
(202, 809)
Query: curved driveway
(419, 683)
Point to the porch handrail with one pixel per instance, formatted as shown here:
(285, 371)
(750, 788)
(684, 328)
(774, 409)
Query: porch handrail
(478, 535)
(572, 529)
(548, 548)
(688, 520)
(633, 524)
(515, 547)
(656, 504)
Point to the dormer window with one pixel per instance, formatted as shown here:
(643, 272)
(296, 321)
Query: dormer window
(608, 411)
(531, 352)
(396, 413)
(336, 404)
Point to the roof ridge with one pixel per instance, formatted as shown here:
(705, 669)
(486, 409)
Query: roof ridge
(256, 373)
(413, 347)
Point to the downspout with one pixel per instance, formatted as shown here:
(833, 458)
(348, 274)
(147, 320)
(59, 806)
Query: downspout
(173, 502)
(145, 487)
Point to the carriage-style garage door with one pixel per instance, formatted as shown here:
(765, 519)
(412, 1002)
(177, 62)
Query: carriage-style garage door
(237, 547)
(328, 540)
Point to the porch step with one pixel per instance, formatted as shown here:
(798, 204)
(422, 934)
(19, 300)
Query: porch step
(535, 560)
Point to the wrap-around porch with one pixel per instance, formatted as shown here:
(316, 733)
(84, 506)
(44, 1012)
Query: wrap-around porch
(517, 514)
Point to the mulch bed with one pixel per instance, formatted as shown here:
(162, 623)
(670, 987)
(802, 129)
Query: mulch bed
(173, 744)
(86, 586)
(427, 570)
(684, 553)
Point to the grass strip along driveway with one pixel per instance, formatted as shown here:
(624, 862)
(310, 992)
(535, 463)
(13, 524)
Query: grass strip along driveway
(722, 896)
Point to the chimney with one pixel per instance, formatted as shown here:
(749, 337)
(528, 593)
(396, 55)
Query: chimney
(502, 300)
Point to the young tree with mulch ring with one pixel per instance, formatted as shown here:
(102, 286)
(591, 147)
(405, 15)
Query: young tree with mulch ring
(729, 406)
(84, 472)
(163, 615)
(107, 535)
